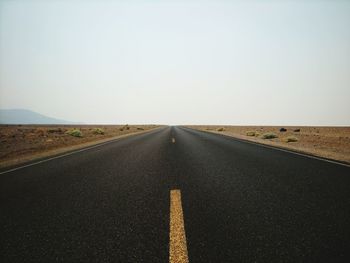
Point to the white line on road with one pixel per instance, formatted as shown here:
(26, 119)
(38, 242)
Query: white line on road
(177, 243)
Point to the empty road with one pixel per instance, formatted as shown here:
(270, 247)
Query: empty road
(217, 198)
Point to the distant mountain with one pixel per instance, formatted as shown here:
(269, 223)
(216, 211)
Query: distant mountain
(20, 116)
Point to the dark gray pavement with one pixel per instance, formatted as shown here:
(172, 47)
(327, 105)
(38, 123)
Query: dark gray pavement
(241, 202)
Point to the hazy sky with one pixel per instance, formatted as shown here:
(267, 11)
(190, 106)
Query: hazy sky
(178, 62)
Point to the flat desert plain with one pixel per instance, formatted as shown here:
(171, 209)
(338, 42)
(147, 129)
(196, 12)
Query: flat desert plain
(22, 143)
(327, 142)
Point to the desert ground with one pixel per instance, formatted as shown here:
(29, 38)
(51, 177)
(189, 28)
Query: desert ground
(327, 142)
(22, 143)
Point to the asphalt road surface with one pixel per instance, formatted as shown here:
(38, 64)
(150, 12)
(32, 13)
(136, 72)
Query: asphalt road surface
(241, 203)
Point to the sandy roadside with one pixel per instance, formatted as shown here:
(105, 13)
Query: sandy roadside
(326, 142)
(23, 143)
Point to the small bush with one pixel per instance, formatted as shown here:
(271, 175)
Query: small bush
(269, 135)
(291, 139)
(140, 129)
(58, 130)
(98, 131)
(283, 130)
(125, 127)
(75, 133)
(250, 133)
(220, 129)
(297, 130)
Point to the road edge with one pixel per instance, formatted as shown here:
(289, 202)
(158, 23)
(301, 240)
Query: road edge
(65, 151)
(279, 148)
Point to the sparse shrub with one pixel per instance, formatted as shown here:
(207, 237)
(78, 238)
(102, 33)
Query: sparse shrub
(291, 139)
(269, 135)
(125, 127)
(297, 130)
(250, 133)
(75, 132)
(283, 130)
(140, 129)
(220, 129)
(58, 130)
(98, 131)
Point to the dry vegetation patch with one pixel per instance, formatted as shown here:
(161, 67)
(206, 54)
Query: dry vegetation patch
(269, 135)
(291, 139)
(250, 133)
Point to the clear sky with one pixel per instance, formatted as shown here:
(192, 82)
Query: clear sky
(178, 62)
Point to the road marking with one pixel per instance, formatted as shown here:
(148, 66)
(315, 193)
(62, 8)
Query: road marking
(173, 140)
(178, 246)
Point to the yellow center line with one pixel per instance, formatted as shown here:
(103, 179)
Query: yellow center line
(178, 246)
